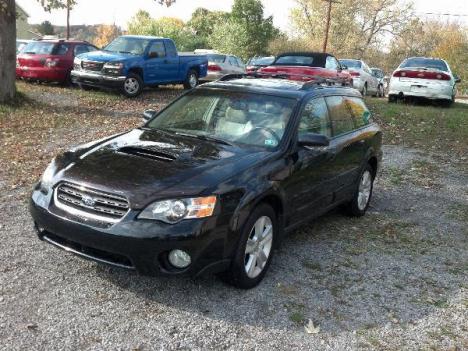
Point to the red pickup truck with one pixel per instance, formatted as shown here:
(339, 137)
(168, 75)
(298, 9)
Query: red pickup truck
(306, 66)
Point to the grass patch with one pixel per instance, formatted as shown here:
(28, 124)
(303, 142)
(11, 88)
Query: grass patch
(312, 265)
(458, 212)
(422, 125)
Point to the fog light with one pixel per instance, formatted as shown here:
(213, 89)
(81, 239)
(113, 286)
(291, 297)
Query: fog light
(179, 258)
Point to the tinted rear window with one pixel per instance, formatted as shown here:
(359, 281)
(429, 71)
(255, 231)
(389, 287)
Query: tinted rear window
(216, 58)
(261, 61)
(351, 63)
(46, 48)
(295, 61)
(424, 63)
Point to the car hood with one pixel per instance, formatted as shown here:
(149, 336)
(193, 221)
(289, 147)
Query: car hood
(146, 165)
(104, 56)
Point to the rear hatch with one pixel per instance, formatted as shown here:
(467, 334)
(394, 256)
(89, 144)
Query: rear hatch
(39, 53)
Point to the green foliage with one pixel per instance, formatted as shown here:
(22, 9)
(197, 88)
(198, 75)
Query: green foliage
(46, 28)
(176, 29)
(203, 21)
(247, 33)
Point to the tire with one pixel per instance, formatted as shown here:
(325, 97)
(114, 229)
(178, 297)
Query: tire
(364, 90)
(192, 79)
(380, 92)
(247, 271)
(132, 86)
(392, 98)
(84, 87)
(359, 204)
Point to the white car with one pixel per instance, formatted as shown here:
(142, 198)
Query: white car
(363, 79)
(219, 65)
(423, 77)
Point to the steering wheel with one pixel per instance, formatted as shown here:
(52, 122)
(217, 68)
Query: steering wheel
(270, 131)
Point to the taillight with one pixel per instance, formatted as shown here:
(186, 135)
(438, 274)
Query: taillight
(51, 62)
(214, 68)
(355, 74)
(422, 75)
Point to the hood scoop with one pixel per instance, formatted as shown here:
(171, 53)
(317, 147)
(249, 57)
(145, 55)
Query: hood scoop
(148, 153)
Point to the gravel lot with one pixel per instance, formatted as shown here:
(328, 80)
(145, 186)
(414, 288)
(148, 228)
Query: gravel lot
(395, 279)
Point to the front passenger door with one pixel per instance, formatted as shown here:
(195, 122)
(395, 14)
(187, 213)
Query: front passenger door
(155, 65)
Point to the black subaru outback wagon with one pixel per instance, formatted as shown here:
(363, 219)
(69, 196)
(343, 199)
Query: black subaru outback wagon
(214, 181)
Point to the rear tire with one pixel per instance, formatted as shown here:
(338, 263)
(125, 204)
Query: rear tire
(255, 249)
(359, 204)
(392, 98)
(192, 79)
(132, 86)
(364, 90)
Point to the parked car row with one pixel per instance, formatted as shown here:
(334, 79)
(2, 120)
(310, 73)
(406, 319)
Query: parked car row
(129, 63)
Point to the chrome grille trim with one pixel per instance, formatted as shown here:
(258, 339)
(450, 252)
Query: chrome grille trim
(92, 66)
(104, 207)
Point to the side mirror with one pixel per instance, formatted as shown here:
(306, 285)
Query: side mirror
(457, 78)
(311, 140)
(149, 114)
(344, 67)
(153, 55)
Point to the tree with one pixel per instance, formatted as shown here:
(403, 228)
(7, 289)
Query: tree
(246, 33)
(204, 21)
(8, 36)
(169, 27)
(46, 28)
(357, 26)
(105, 34)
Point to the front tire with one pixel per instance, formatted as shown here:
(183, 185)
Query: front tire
(192, 79)
(359, 204)
(132, 86)
(364, 90)
(255, 249)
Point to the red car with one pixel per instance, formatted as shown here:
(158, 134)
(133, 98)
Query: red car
(305, 66)
(50, 60)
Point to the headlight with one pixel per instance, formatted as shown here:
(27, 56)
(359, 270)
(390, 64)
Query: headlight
(173, 211)
(114, 65)
(77, 61)
(47, 177)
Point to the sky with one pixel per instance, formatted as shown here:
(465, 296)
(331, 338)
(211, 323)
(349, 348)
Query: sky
(120, 11)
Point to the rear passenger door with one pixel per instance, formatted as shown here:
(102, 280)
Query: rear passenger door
(348, 143)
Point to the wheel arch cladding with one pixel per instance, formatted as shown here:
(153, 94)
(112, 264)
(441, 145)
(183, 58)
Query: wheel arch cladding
(136, 70)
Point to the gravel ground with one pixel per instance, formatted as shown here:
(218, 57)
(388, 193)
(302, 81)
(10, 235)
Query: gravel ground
(394, 279)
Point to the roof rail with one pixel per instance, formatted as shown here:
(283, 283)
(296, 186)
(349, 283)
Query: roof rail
(306, 80)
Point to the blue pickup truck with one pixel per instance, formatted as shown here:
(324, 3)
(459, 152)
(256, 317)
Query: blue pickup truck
(129, 63)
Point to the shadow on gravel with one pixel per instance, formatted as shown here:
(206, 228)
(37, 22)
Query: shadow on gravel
(343, 273)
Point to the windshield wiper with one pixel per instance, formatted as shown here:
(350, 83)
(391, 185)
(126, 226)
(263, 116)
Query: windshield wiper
(206, 138)
(124, 52)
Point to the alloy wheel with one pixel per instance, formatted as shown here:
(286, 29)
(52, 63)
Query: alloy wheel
(193, 80)
(258, 247)
(365, 187)
(131, 86)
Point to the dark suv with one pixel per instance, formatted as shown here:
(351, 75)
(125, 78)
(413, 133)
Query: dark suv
(214, 181)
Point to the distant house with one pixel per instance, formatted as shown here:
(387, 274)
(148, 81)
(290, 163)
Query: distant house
(22, 25)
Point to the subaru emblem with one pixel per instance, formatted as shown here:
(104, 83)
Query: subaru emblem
(88, 201)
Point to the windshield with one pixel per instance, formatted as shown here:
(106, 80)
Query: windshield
(377, 73)
(126, 45)
(425, 63)
(295, 61)
(39, 48)
(216, 58)
(351, 63)
(261, 61)
(237, 118)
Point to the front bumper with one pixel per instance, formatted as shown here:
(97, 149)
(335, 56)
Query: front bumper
(421, 88)
(140, 245)
(49, 74)
(97, 79)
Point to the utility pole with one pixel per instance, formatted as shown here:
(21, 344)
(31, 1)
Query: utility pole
(68, 19)
(327, 26)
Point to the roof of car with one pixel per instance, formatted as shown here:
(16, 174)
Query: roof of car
(141, 37)
(305, 53)
(278, 87)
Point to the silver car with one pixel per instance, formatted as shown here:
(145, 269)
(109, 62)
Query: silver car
(363, 79)
(383, 81)
(219, 65)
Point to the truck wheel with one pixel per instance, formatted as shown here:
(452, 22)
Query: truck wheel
(132, 86)
(84, 87)
(192, 79)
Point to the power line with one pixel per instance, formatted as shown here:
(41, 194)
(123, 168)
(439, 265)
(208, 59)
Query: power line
(442, 14)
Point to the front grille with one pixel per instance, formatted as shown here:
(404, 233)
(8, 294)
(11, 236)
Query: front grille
(92, 66)
(90, 203)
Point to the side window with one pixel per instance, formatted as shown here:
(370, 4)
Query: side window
(314, 118)
(170, 49)
(232, 61)
(80, 49)
(61, 49)
(158, 48)
(361, 114)
(92, 48)
(239, 62)
(340, 115)
(331, 63)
